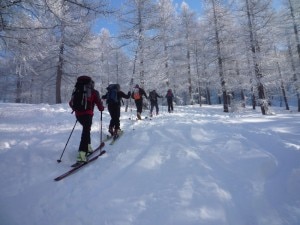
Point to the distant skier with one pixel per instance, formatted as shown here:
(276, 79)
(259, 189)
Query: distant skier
(170, 98)
(137, 95)
(153, 101)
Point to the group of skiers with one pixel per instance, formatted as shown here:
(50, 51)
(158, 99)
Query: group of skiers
(153, 97)
(85, 97)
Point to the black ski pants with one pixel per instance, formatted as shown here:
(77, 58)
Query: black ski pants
(86, 122)
(139, 105)
(170, 105)
(154, 104)
(114, 111)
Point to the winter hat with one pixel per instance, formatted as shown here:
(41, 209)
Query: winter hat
(137, 86)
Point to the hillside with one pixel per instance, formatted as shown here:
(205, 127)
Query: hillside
(195, 166)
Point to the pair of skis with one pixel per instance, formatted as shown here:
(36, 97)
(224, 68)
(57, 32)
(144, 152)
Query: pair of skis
(91, 157)
(116, 137)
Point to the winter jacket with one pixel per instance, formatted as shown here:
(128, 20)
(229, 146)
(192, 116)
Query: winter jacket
(153, 96)
(120, 95)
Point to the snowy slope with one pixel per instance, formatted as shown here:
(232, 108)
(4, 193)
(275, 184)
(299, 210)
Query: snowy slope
(195, 166)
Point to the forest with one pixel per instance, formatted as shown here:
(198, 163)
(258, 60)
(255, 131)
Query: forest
(238, 53)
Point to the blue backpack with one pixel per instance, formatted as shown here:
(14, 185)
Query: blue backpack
(112, 94)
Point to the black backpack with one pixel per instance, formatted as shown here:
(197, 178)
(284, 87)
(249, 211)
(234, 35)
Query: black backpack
(82, 93)
(152, 95)
(112, 94)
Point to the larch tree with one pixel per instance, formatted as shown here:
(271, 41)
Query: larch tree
(257, 15)
(137, 23)
(215, 11)
(164, 44)
(73, 20)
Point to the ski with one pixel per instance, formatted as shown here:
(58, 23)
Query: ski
(137, 119)
(80, 165)
(115, 138)
(97, 149)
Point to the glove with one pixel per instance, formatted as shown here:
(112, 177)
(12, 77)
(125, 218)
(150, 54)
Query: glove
(129, 93)
(101, 108)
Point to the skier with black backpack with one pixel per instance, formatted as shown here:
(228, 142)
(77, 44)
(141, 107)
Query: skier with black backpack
(170, 98)
(153, 101)
(84, 98)
(113, 98)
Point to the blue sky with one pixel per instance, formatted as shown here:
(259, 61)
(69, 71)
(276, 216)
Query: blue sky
(195, 5)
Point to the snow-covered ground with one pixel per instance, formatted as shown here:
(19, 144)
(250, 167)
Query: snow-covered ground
(195, 166)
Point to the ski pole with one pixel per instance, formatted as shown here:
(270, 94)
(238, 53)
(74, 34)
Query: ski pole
(59, 160)
(101, 128)
(101, 140)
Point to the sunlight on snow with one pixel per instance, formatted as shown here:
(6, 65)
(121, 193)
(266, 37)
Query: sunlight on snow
(196, 166)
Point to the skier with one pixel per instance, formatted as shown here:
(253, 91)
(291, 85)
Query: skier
(113, 99)
(153, 101)
(137, 95)
(85, 117)
(170, 97)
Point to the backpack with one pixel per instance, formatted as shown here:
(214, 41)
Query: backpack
(81, 94)
(136, 94)
(112, 94)
(152, 95)
(169, 95)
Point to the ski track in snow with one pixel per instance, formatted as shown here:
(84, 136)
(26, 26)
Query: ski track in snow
(194, 166)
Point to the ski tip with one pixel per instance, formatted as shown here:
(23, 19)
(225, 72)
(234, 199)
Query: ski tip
(102, 152)
(77, 164)
(58, 178)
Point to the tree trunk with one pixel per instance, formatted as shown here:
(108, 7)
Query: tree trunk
(166, 63)
(253, 99)
(294, 72)
(189, 73)
(258, 75)
(198, 75)
(19, 89)
(220, 61)
(243, 99)
(283, 89)
(281, 83)
(208, 100)
(242, 92)
(59, 73)
(295, 28)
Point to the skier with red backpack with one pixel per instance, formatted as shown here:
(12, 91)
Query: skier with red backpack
(84, 98)
(137, 95)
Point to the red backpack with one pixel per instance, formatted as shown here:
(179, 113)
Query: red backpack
(136, 94)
